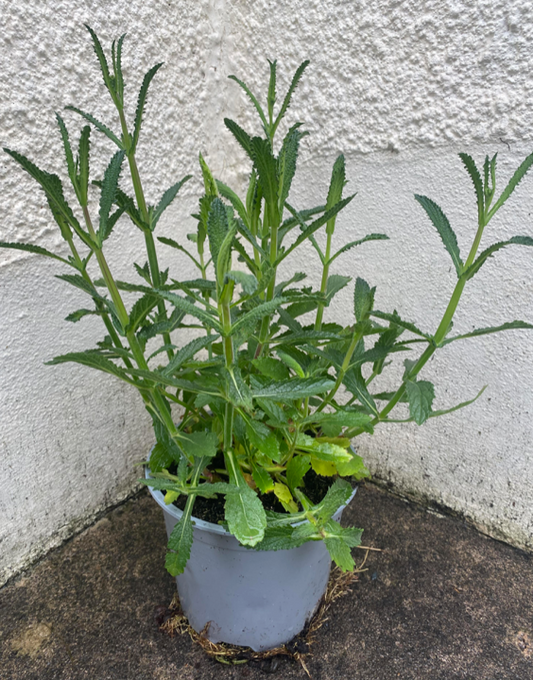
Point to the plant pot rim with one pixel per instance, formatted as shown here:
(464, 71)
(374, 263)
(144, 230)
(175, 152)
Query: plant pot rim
(159, 498)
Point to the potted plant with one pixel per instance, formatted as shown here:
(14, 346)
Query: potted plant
(254, 416)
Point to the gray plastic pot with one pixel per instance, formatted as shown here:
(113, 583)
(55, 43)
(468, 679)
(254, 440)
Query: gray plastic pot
(257, 599)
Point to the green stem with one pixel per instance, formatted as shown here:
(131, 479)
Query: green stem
(345, 365)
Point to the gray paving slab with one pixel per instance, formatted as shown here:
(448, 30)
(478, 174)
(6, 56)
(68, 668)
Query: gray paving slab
(441, 602)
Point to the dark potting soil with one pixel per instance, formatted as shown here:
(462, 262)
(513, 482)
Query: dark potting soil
(212, 509)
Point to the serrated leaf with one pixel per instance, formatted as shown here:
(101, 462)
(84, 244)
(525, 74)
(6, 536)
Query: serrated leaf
(240, 135)
(323, 467)
(287, 100)
(488, 252)
(295, 388)
(141, 100)
(336, 496)
(198, 444)
(297, 468)
(353, 244)
(250, 319)
(441, 224)
(235, 201)
(239, 393)
(187, 352)
(355, 383)
(271, 368)
(363, 299)
(166, 199)
(266, 167)
(395, 319)
(420, 395)
(140, 311)
(98, 125)
(335, 284)
(78, 281)
(160, 458)
(286, 165)
(322, 450)
(472, 170)
(333, 423)
(354, 468)
(179, 546)
(247, 281)
(92, 359)
(33, 249)
(79, 314)
(253, 99)
(189, 308)
(263, 439)
(261, 477)
(108, 193)
(280, 538)
(511, 325)
(245, 515)
(511, 186)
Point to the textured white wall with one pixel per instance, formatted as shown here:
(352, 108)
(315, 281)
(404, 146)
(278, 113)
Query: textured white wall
(400, 88)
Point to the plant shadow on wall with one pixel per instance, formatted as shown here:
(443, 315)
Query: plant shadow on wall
(261, 419)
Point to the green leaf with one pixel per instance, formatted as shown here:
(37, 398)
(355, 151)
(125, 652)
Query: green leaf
(187, 307)
(240, 135)
(107, 197)
(307, 230)
(166, 199)
(102, 59)
(238, 391)
(174, 244)
(295, 388)
(395, 319)
(336, 496)
(472, 170)
(33, 249)
(355, 383)
(160, 458)
(54, 192)
(217, 230)
(354, 468)
(247, 281)
(93, 359)
(363, 299)
(235, 201)
(79, 282)
(271, 368)
(179, 546)
(440, 222)
(198, 444)
(245, 515)
(334, 284)
(297, 468)
(79, 314)
(352, 244)
(325, 451)
(511, 325)
(83, 163)
(140, 311)
(288, 96)
(98, 125)
(463, 404)
(271, 98)
(483, 257)
(338, 542)
(263, 439)
(261, 477)
(71, 166)
(513, 183)
(286, 165)
(266, 167)
(253, 100)
(187, 352)
(281, 538)
(333, 423)
(250, 319)
(420, 395)
(141, 100)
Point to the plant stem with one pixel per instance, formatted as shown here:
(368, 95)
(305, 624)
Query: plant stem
(345, 365)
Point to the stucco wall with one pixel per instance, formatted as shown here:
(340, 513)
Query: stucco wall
(400, 88)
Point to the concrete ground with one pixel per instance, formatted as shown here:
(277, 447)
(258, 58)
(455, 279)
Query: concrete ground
(441, 602)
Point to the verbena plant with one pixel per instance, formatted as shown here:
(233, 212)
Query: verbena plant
(259, 389)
